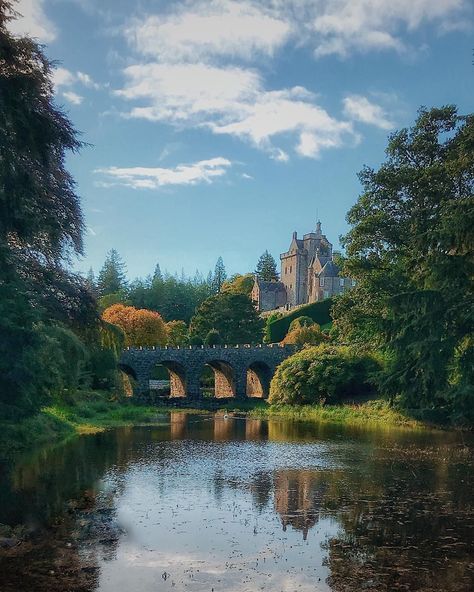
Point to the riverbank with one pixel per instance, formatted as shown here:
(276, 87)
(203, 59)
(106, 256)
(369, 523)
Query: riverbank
(94, 412)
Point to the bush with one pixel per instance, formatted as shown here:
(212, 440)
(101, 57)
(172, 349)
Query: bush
(318, 312)
(305, 335)
(323, 374)
(300, 322)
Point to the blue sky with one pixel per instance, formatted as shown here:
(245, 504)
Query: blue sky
(219, 127)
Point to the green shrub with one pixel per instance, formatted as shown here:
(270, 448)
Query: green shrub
(318, 312)
(213, 338)
(299, 322)
(323, 374)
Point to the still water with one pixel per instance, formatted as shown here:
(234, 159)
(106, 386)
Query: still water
(220, 504)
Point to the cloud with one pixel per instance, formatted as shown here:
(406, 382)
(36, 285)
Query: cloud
(359, 108)
(33, 21)
(232, 101)
(209, 29)
(63, 77)
(153, 178)
(344, 26)
(72, 97)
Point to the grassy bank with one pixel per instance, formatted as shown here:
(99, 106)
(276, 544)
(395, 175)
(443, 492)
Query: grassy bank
(93, 412)
(373, 412)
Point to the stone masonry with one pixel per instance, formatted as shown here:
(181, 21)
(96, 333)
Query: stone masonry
(240, 371)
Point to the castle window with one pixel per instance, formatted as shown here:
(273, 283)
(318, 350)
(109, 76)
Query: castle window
(291, 268)
(341, 282)
(353, 282)
(321, 281)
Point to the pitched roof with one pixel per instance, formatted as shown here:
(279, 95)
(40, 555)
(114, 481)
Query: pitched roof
(271, 286)
(330, 269)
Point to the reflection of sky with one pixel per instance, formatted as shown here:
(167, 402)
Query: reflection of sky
(192, 521)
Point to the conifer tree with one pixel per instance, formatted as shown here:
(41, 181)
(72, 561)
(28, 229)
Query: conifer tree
(266, 268)
(219, 276)
(157, 275)
(112, 275)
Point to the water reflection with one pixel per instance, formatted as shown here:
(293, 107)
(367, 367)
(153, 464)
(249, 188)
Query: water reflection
(228, 503)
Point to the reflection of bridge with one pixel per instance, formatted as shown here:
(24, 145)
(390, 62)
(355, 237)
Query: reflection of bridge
(239, 371)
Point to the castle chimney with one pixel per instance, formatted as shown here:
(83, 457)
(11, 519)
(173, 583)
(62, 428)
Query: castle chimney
(295, 234)
(318, 228)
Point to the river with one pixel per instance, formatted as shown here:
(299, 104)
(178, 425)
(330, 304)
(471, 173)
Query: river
(224, 503)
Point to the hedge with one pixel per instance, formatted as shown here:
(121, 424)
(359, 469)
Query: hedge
(318, 311)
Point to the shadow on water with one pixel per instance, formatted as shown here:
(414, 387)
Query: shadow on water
(229, 503)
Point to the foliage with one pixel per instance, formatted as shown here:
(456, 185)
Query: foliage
(41, 223)
(177, 332)
(239, 284)
(299, 322)
(219, 276)
(213, 338)
(141, 327)
(232, 315)
(268, 320)
(305, 335)
(267, 268)
(108, 300)
(411, 249)
(112, 278)
(323, 374)
(174, 298)
(318, 311)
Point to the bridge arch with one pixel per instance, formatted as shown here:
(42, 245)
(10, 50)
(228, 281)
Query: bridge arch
(224, 378)
(177, 374)
(259, 375)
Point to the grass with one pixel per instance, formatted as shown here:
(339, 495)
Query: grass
(373, 412)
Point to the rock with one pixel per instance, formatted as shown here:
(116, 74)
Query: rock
(7, 542)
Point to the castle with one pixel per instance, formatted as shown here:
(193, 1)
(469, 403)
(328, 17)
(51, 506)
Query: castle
(308, 274)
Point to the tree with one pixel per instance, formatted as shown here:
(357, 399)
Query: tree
(305, 335)
(157, 275)
(411, 250)
(141, 327)
(177, 332)
(213, 338)
(266, 268)
(219, 276)
(111, 278)
(232, 315)
(91, 282)
(41, 223)
(239, 284)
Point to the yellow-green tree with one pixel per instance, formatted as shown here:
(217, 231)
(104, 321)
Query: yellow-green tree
(141, 327)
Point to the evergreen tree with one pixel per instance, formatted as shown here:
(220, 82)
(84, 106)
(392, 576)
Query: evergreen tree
(91, 282)
(157, 275)
(267, 268)
(219, 276)
(112, 275)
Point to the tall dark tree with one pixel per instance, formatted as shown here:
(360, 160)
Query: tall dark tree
(267, 268)
(41, 223)
(112, 279)
(157, 275)
(219, 276)
(411, 249)
(233, 316)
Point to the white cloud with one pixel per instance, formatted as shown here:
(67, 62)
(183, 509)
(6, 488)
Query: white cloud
(343, 26)
(230, 101)
(72, 97)
(359, 108)
(209, 29)
(86, 80)
(33, 21)
(63, 77)
(153, 178)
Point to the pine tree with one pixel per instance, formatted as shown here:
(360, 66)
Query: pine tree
(112, 275)
(219, 276)
(157, 275)
(91, 282)
(267, 268)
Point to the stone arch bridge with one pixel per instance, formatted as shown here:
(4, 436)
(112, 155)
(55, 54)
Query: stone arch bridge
(239, 371)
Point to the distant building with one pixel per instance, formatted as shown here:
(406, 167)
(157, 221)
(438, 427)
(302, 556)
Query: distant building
(308, 274)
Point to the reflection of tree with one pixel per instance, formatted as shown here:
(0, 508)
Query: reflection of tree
(298, 497)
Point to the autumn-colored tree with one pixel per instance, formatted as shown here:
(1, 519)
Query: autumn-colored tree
(141, 327)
